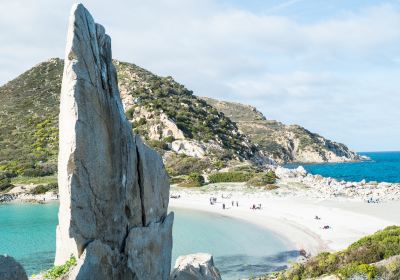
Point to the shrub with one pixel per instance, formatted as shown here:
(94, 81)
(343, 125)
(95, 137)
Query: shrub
(5, 183)
(219, 164)
(355, 269)
(262, 179)
(129, 113)
(196, 178)
(158, 144)
(169, 139)
(176, 180)
(60, 270)
(141, 121)
(41, 189)
(353, 261)
(184, 165)
(229, 177)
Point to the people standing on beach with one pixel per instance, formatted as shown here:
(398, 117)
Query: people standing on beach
(223, 206)
(233, 203)
(237, 203)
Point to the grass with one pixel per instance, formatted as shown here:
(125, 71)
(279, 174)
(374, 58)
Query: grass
(25, 180)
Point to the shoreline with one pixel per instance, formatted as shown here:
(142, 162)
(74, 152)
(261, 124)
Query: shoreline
(304, 239)
(293, 218)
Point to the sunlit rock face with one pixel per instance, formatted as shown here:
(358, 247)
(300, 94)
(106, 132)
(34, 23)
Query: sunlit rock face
(198, 266)
(114, 189)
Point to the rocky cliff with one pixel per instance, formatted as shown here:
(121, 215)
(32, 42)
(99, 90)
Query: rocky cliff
(284, 143)
(114, 190)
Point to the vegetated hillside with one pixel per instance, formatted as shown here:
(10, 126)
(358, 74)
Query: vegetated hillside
(167, 114)
(376, 256)
(283, 143)
(29, 120)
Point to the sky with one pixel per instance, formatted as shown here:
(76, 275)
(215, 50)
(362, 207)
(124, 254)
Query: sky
(330, 66)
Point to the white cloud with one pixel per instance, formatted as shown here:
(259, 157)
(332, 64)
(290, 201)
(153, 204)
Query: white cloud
(329, 75)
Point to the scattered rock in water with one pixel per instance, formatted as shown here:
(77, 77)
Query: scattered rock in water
(10, 269)
(198, 266)
(7, 197)
(114, 190)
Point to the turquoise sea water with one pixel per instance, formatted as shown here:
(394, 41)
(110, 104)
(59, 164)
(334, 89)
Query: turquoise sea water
(27, 232)
(383, 167)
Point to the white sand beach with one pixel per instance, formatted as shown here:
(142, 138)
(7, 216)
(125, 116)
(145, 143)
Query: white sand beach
(293, 218)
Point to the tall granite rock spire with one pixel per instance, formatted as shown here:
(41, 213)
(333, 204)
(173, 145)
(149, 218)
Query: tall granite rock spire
(114, 190)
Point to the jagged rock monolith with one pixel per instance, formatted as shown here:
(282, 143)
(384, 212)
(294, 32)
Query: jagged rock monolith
(198, 266)
(114, 190)
(10, 269)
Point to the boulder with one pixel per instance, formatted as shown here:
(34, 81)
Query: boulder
(198, 266)
(10, 269)
(114, 189)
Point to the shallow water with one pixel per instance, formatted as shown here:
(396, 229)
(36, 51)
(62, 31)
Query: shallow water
(383, 167)
(27, 232)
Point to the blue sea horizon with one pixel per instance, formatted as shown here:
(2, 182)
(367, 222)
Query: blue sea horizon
(382, 167)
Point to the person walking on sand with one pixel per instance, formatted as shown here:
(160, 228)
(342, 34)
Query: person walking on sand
(223, 206)
(237, 203)
(233, 203)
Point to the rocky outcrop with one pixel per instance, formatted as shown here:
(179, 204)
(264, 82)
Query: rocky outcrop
(114, 189)
(10, 269)
(283, 143)
(198, 266)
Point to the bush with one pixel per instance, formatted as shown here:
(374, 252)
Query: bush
(169, 139)
(60, 270)
(194, 180)
(5, 183)
(176, 180)
(229, 177)
(353, 261)
(184, 165)
(129, 113)
(262, 179)
(158, 144)
(355, 269)
(141, 121)
(219, 164)
(41, 189)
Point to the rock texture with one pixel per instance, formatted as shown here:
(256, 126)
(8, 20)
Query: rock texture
(198, 266)
(283, 143)
(114, 190)
(10, 269)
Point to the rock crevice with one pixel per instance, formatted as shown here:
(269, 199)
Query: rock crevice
(114, 189)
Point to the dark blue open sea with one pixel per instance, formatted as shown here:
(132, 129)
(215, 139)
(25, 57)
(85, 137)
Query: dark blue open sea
(383, 167)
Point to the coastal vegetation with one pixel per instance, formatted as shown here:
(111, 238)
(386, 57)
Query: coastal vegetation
(181, 164)
(57, 271)
(193, 180)
(42, 189)
(226, 177)
(5, 182)
(256, 179)
(29, 108)
(192, 115)
(359, 259)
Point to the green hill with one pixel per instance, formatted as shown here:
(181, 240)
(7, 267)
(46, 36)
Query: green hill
(29, 107)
